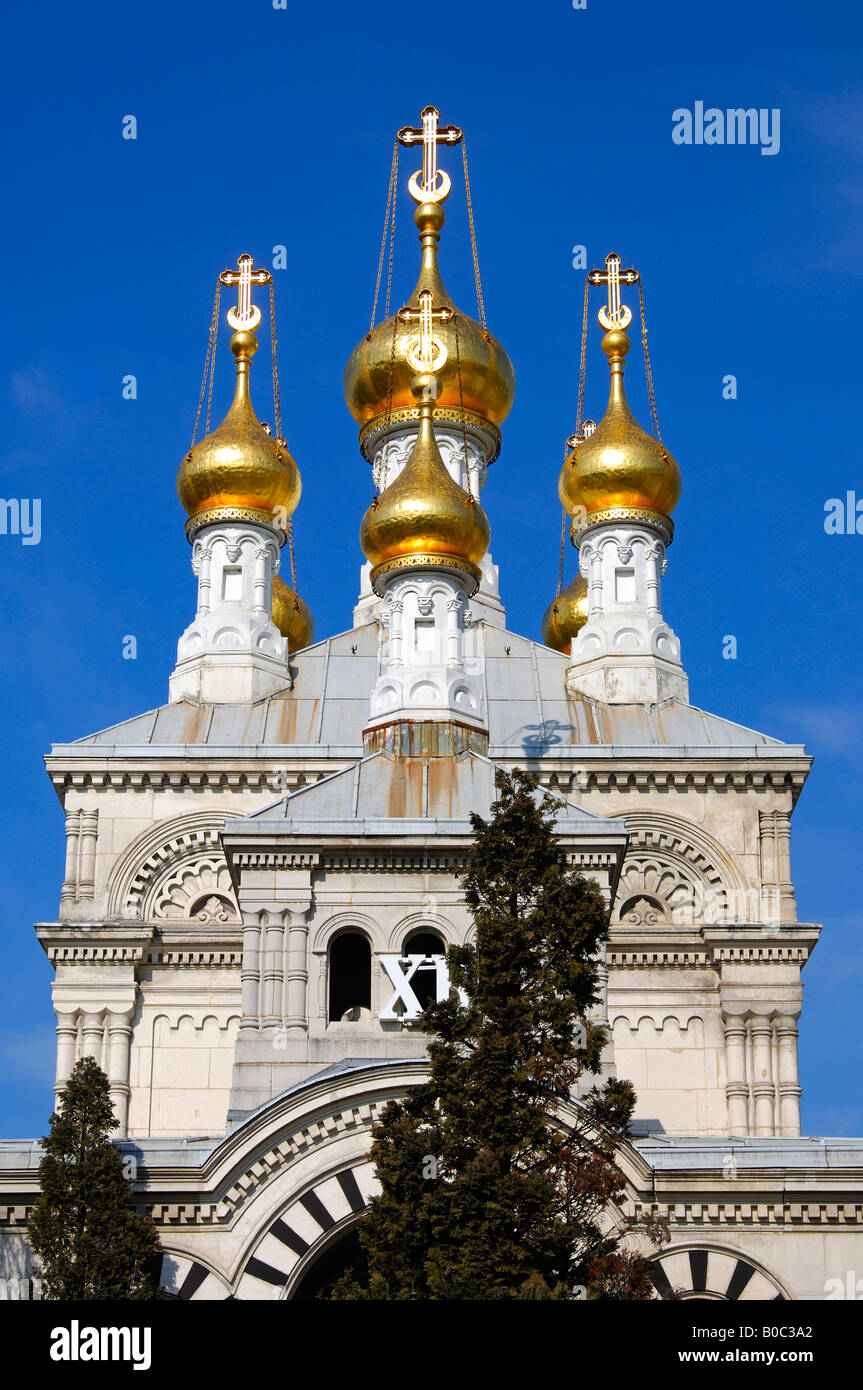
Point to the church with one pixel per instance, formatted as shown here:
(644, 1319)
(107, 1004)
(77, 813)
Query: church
(261, 874)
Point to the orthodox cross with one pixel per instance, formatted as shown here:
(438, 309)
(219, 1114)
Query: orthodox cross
(615, 314)
(425, 353)
(586, 431)
(247, 315)
(424, 186)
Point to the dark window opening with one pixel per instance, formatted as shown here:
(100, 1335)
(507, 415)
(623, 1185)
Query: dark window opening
(350, 977)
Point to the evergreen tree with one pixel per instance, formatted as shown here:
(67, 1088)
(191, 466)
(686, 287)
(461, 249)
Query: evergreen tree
(485, 1193)
(91, 1241)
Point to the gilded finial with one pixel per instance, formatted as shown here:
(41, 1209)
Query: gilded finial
(614, 315)
(246, 317)
(423, 185)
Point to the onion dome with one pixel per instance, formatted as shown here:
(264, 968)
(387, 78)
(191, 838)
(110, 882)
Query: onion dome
(619, 465)
(566, 616)
(424, 517)
(377, 379)
(291, 616)
(238, 470)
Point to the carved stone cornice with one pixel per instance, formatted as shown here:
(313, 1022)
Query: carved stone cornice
(709, 947)
(87, 943)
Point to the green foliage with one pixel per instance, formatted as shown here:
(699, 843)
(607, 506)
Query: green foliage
(91, 1242)
(485, 1193)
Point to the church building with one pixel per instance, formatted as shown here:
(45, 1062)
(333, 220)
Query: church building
(261, 874)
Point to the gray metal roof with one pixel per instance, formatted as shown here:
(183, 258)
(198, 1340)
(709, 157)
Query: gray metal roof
(529, 713)
(389, 794)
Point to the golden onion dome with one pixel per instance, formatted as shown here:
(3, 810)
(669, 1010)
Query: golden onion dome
(619, 465)
(239, 469)
(566, 616)
(424, 517)
(291, 616)
(377, 378)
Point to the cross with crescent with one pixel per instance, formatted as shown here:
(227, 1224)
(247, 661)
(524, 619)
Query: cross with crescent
(615, 314)
(247, 315)
(423, 186)
(425, 353)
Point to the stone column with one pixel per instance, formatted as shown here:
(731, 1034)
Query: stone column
(119, 1038)
(94, 1034)
(789, 1083)
(87, 878)
(736, 1089)
(787, 901)
(396, 652)
(67, 1048)
(453, 631)
(769, 885)
(250, 976)
(273, 975)
(69, 890)
(297, 1021)
(763, 1089)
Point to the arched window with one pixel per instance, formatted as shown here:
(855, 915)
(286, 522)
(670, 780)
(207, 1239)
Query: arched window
(350, 977)
(424, 980)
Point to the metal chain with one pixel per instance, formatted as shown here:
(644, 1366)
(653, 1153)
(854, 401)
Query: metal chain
(376, 476)
(579, 425)
(293, 562)
(563, 515)
(390, 196)
(582, 366)
(209, 363)
(648, 372)
(392, 229)
(277, 430)
(277, 401)
(468, 488)
(479, 299)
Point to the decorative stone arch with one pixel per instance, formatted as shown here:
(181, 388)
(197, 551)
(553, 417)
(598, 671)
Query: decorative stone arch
(673, 872)
(171, 847)
(188, 1277)
(422, 921)
(346, 921)
(305, 1228)
(283, 1186)
(714, 1272)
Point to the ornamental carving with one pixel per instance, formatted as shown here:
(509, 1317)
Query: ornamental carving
(199, 890)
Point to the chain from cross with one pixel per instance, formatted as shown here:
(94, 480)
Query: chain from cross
(425, 353)
(247, 315)
(423, 186)
(586, 431)
(615, 314)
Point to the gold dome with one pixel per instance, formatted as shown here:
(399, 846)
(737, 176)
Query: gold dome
(620, 465)
(487, 376)
(238, 469)
(424, 516)
(566, 616)
(291, 616)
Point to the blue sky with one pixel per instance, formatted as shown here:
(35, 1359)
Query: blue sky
(259, 127)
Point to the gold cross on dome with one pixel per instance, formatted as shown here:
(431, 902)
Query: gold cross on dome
(586, 431)
(423, 186)
(615, 314)
(425, 353)
(247, 315)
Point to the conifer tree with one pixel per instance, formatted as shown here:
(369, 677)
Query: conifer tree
(90, 1240)
(486, 1194)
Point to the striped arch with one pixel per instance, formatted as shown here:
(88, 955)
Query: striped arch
(187, 1278)
(702, 1272)
(295, 1239)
